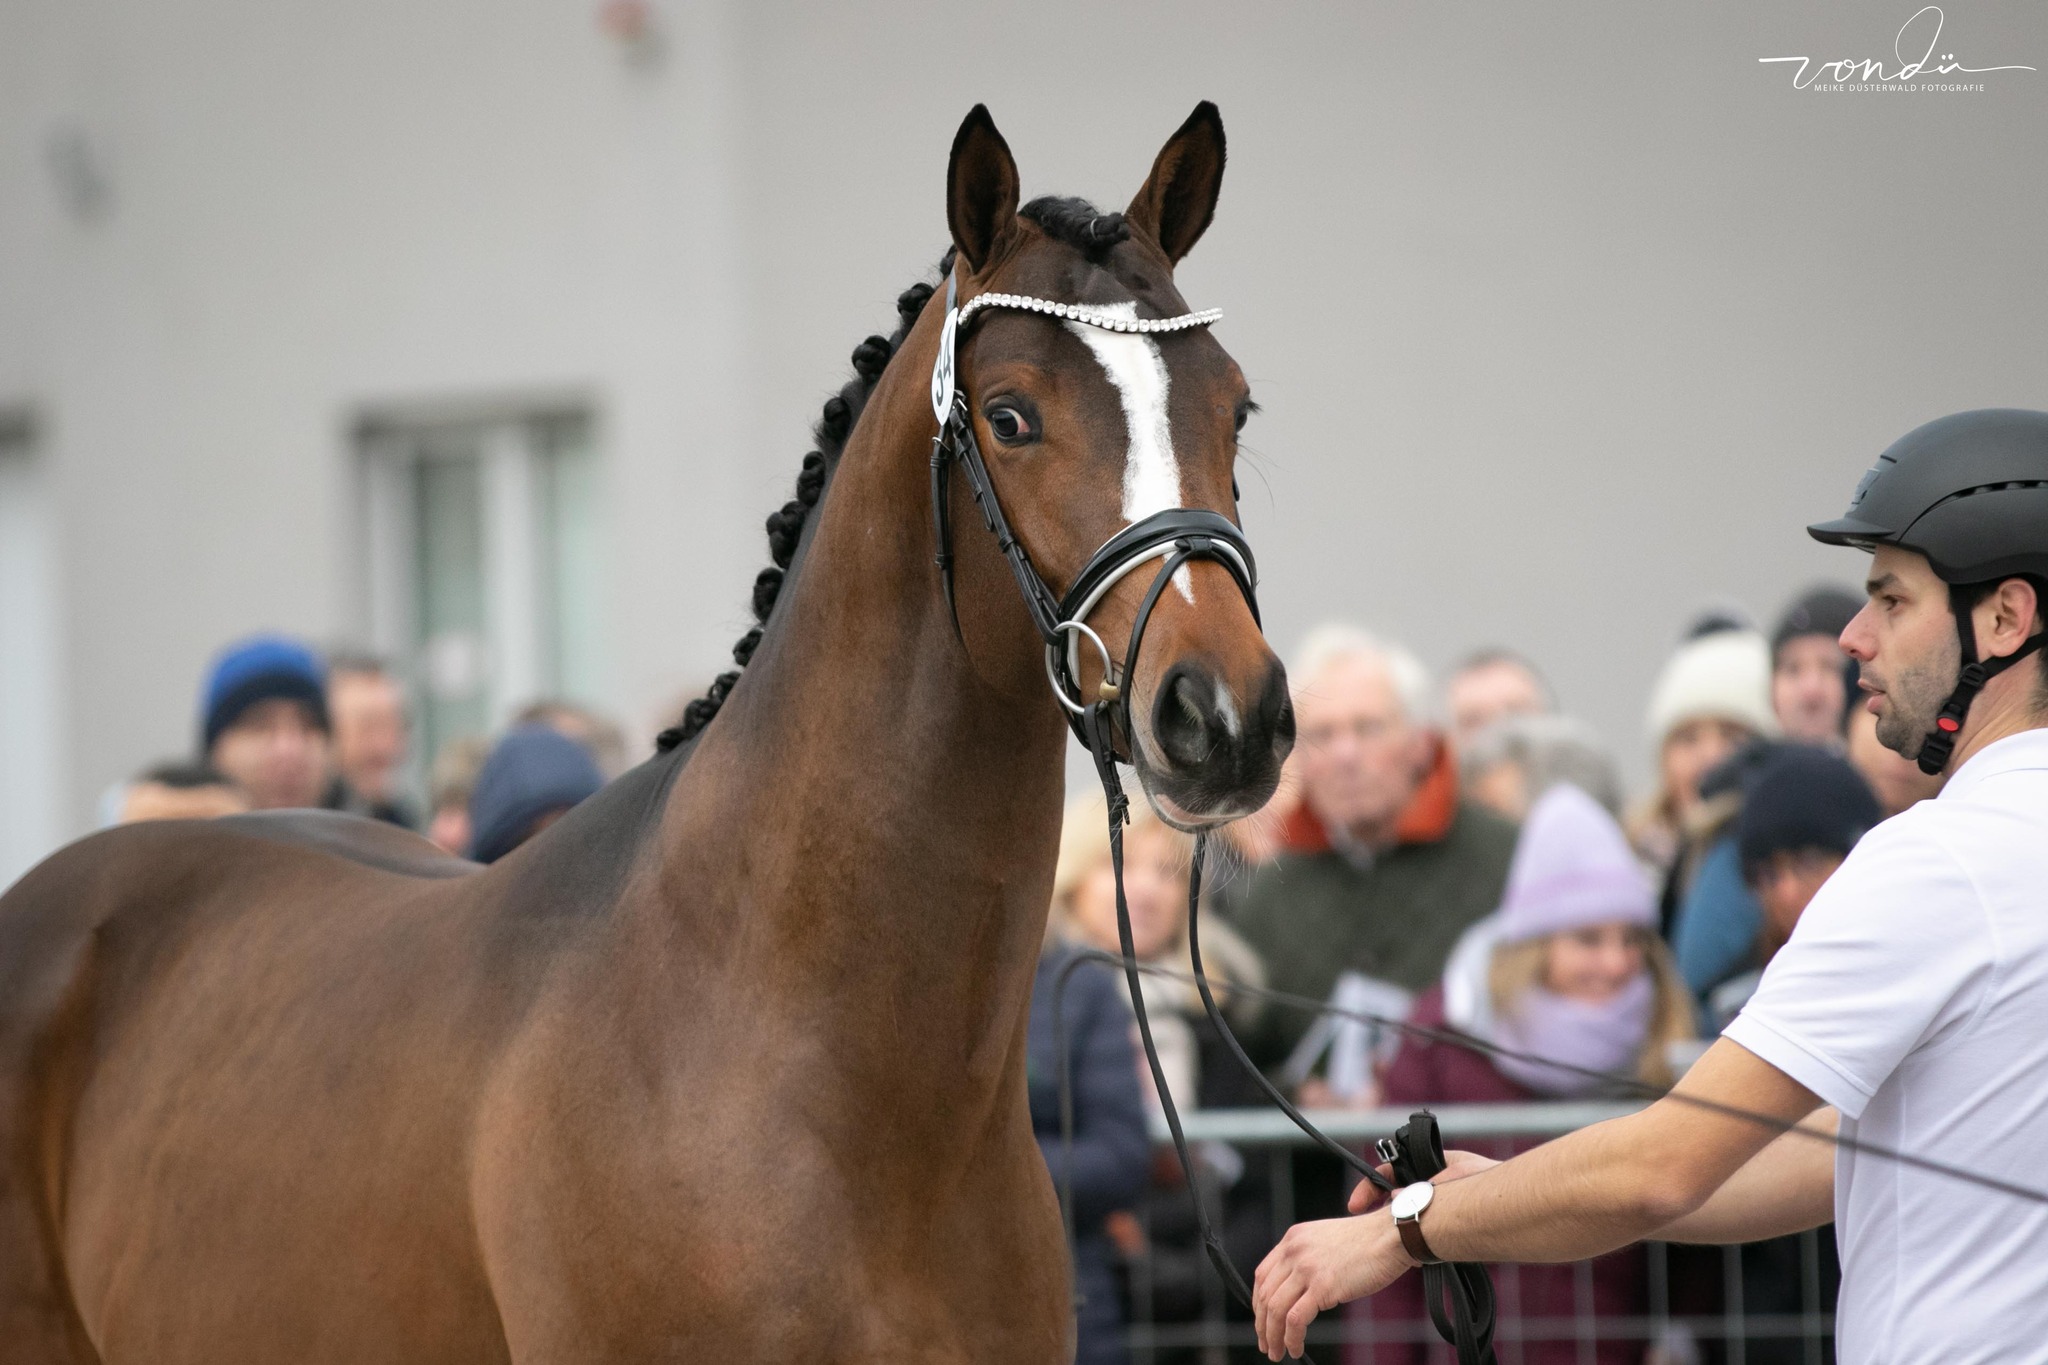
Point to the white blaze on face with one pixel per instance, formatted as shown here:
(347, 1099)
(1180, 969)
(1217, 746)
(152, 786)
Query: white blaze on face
(1135, 367)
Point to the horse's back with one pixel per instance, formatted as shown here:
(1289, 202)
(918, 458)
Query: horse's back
(213, 1032)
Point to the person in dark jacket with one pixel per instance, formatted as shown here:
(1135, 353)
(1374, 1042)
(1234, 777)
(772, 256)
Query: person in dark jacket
(1176, 1283)
(531, 779)
(1112, 1152)
(1570, 968)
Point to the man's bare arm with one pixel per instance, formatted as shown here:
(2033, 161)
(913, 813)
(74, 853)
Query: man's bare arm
(1580, 1196)
(1787, 1187)
(1617, 1182)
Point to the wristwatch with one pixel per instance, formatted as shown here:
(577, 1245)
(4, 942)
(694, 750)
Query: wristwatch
(1407, 1206)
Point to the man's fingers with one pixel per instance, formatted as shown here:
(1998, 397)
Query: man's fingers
(1367, 1195)
(1306, 1305)
(1278, 1316)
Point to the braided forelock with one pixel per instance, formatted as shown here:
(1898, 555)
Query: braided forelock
(1078, 223)
(789, 526)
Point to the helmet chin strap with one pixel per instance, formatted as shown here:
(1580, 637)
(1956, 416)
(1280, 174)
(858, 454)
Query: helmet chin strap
(1940, 744)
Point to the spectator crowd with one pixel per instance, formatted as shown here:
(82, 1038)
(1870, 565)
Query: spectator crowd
(281, 728)
(1462, 858)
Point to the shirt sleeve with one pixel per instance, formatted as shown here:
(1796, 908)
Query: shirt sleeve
(1893, 954)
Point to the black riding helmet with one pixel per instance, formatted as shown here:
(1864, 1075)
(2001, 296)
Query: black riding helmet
(1969, 492)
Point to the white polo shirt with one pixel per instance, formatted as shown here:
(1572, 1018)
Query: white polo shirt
(1913, 997)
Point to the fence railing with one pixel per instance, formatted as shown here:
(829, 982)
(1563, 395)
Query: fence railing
(1767, 1304)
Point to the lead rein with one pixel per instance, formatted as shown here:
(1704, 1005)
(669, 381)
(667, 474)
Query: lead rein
(1467, 1321)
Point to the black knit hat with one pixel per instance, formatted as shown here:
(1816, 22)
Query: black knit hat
(1817, 611)
(1803, 797)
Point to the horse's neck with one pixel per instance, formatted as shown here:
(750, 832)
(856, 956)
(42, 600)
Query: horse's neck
(885, 814)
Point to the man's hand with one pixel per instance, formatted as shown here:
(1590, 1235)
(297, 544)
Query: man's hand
(1316, 1267)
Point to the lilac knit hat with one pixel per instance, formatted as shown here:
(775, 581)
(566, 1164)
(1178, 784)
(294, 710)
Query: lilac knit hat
(1572, 869)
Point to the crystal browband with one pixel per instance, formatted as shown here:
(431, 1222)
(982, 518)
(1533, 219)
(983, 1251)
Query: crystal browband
(1094, 317)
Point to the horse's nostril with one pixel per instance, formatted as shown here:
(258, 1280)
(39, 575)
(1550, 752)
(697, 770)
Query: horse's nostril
(1182, 723)
(1277, 709)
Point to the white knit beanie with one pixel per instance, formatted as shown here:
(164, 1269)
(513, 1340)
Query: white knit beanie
(1722, 676)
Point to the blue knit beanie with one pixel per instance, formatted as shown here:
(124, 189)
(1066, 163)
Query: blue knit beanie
(534, 770)
(260, 668)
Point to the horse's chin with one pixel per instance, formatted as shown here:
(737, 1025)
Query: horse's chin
(1193, 821)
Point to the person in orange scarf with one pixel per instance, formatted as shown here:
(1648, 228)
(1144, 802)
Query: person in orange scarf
(1383, 865)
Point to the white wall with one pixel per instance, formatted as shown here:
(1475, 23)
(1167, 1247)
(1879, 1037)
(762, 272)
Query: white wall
(1565, 319)
(31, 708)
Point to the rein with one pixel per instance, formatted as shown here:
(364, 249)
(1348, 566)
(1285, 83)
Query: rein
(1174, 537)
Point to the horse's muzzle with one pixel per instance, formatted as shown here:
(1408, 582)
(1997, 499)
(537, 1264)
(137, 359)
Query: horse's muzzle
(1216, 755)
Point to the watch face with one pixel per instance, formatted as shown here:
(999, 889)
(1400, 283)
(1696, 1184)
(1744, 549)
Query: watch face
(1411, 1200)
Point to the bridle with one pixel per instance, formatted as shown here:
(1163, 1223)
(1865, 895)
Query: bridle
(1175, 535)
(1460, 1297)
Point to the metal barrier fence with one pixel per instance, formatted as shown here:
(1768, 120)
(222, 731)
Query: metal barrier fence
(1698, 1305)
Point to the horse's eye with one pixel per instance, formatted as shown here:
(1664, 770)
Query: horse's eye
(1011, 427)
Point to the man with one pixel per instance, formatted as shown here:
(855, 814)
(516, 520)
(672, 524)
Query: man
(371, 733)
(1490, 686)
(1385, 866)
(1810, 676)
(1912, 997)
(263, 721)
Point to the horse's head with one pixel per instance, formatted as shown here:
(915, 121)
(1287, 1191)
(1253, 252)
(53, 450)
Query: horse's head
(1088, 429)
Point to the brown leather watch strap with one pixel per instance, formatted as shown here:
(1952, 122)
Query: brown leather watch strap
(1412, 1242)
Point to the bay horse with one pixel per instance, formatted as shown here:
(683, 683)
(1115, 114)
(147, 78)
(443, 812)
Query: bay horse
(728, 1063)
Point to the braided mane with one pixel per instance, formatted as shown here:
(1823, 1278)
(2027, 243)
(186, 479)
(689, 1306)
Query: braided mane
(786, 524)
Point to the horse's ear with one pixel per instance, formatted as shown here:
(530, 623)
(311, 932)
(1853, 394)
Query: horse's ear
(981, 189)
(1179, 198)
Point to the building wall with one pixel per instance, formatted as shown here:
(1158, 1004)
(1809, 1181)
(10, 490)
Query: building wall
(1564, 319)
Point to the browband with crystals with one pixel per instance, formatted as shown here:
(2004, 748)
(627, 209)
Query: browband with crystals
(943, 369)
(1094, 317)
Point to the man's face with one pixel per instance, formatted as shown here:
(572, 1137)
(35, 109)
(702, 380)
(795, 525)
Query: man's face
(1362, 757)
(1905, 642)
(276, 754)
(1808, 690)
(368, 712)
(1477, 697)
(1787, 881)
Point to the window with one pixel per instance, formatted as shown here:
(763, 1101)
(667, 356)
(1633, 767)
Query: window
(484, 565)
(32, 817)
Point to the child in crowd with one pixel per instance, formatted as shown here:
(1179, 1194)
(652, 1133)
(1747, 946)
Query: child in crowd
(1569, 969)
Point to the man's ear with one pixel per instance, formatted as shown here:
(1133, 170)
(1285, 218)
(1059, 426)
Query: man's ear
(981, 189)
(2016, 609)
(1178, 199)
